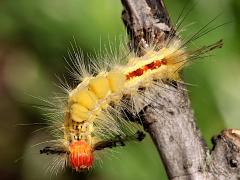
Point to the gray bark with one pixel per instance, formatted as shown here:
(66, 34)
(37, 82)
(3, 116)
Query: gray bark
(169, 119)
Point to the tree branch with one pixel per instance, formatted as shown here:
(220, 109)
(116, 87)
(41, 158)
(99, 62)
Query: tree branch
(169, 119)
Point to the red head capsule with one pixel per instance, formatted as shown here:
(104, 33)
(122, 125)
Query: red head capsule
(81, 155)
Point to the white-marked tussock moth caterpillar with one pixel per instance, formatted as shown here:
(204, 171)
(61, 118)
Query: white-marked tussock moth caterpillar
(93, 115)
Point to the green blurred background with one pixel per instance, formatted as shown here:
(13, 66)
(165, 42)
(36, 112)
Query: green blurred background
(34, 39)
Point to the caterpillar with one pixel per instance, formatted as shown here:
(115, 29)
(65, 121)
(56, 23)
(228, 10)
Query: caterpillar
(94, 112)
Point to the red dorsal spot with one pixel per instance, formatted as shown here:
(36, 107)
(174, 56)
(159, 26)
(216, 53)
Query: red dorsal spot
(151, 65)
(136, 73)
(140, 71)
(81, 155)
(145, 68)
(157, 64)
(130, 75)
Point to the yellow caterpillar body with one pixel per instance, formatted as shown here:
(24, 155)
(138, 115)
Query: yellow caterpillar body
(89, 103)
(92, 113)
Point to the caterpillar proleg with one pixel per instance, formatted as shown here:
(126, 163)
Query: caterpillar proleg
(92, 116)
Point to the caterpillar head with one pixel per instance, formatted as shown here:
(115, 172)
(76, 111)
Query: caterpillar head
(81, 155)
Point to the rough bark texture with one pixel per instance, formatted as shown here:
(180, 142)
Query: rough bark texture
(169, 119)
